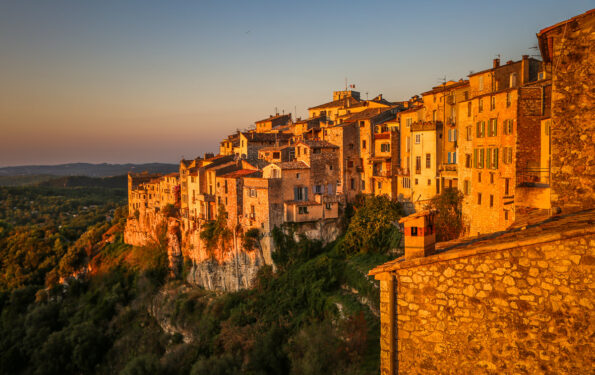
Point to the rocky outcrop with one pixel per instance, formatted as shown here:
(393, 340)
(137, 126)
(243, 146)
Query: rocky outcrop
(226, 267)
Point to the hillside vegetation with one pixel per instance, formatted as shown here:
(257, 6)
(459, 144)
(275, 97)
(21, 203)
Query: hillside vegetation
(316, 314)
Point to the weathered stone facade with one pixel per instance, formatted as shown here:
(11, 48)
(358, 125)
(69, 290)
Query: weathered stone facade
(521, 303)
(567, 50)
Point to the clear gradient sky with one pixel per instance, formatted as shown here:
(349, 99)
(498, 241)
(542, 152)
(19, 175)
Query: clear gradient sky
(143, 81)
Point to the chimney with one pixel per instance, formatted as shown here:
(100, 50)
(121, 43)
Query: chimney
(420, 235)
(496, 63)
(525, 70)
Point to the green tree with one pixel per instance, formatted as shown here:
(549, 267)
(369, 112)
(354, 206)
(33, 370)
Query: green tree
(449, 214)
(373, 228)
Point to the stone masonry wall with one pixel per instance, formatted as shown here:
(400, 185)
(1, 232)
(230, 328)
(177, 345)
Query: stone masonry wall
(525, 310)
(573, 118)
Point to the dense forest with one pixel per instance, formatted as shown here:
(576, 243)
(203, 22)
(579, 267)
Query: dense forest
(75, 299)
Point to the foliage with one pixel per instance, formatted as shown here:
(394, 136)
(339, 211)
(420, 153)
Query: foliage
(449, 214)
(215, 232)
(251, 239)
(373, 227)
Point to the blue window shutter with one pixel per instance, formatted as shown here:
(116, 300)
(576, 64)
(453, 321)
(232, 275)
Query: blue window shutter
(305, 193)
(295, 193)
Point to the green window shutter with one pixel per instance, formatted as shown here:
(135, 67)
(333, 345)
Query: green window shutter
(495, 163)
(489, 158)
(495, 127)
(474, 158)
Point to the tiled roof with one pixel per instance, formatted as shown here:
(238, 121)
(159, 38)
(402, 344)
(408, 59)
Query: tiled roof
(318, 144)
(275, 148)
(367, 114)
(267, 137)
(275, 118)
(243, 173)
(293, 165)
(337, 103)
(543, 229)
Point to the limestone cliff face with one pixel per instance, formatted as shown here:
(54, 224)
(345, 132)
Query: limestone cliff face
(228, 266)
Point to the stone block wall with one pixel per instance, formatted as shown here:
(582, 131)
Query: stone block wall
(573, 117)
(522, 310)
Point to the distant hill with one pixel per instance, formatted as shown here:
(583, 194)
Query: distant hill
(86, 181)
(87, 169)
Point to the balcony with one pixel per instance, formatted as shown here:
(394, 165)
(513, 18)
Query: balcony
(382, 173)
(447, 168)
(533, 177)
(402, 171)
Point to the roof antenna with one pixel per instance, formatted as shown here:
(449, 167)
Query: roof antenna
(345, 83)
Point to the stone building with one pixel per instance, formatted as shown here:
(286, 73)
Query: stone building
(385, 161)
(426, 148)
(323, 159)
(567, 51)
(268, 124)
(346, 137)
(251, 142)
(277, 154)
(499, 133)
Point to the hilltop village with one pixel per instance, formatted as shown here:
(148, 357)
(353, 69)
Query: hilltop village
(487, 135)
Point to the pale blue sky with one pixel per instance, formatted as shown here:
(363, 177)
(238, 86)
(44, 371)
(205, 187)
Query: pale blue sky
(139, 81)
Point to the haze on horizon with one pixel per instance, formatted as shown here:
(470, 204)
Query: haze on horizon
(146, 81)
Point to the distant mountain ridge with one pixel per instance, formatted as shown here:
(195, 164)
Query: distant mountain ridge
(87, 169)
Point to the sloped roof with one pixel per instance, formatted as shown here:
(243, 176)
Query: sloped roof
(266, 137)
(293, 165)
(276, 117)
(318, 144)
(242, 173)
(337, 103)
(367, 114)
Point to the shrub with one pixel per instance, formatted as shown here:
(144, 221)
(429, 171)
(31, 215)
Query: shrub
(449, 214)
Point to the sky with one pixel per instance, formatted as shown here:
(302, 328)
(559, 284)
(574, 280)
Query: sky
(154, 81)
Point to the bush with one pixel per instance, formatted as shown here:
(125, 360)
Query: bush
(373, 228)
(449, 214)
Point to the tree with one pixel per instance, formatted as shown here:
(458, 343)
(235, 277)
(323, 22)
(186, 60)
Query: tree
(449, 214)
(373, 227)
(216, 232)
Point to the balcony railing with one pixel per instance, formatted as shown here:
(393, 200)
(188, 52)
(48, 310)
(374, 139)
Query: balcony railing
(533, 177)
(381, 173)
(448, 167)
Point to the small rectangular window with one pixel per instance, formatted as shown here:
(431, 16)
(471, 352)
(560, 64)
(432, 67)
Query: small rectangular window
(417, 138)
(428, 160)
(479, 198)
(491, 200)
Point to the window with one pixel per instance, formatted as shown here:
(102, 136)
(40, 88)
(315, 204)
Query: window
(469, 133)
(408, 122)
(302, 210)
(508, 126)
(428, 160)
(364, 144)
(379, 185)
(479, 198)
(417, 139)
(300, 193)
(495, 158)
(318, 189)
(429, 182)
(276, 155)
(508, 99)
(492, 103)
(363, 184)
(329, 206)
(512, 80)
(480, 129)
(492, 127)
(406, 182)
(466, 188)
(491, 200)
(418, 164)
(467, 160)
(468, 109)
(252, 212)
(434, 114)
(416, 181)
(481, 83)
(253, 192)
(449, 158)
(316, 151)
(408, 143)
(385, 147)
(479, 177)
(362, 124)
(352, 183)
(506, 186)
(478, 157)
(507, 157)
(349, 163)
(414, 231)
(488, 158)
